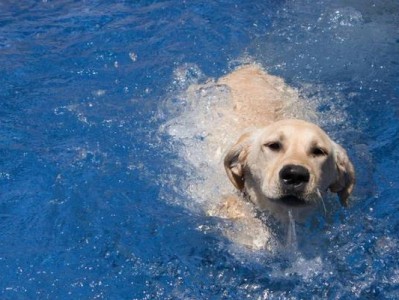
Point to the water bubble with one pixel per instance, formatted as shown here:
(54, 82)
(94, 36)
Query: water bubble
(347, 16)
(133, 56)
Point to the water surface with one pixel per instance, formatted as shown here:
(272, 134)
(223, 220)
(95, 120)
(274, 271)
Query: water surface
(87, 208)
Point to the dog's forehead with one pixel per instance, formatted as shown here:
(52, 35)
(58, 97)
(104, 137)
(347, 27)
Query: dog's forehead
(295, 130)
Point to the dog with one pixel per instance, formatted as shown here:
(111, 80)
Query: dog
(279, 165)
(278, 161)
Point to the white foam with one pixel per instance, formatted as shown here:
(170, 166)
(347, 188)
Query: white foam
(308, 269)
(195, 112)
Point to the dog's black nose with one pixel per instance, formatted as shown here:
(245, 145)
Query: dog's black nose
(294, 177)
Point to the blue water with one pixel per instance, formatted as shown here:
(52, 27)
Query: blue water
(84, 210)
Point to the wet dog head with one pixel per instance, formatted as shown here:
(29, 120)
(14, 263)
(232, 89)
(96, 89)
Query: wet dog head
(289, 163)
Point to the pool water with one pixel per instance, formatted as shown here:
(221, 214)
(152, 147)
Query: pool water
(93, 191)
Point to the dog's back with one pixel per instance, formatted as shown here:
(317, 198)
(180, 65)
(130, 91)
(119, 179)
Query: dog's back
(260, 98)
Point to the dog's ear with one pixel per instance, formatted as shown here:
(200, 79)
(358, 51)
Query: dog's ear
(345, 179)
(235, 160)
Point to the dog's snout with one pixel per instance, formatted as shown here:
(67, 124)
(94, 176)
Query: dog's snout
(294, 177)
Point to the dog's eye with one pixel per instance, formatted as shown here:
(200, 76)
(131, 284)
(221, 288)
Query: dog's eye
(274, 146)
(317, 151)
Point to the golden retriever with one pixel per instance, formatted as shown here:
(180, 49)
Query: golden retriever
(278, 164)
(251, 121)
